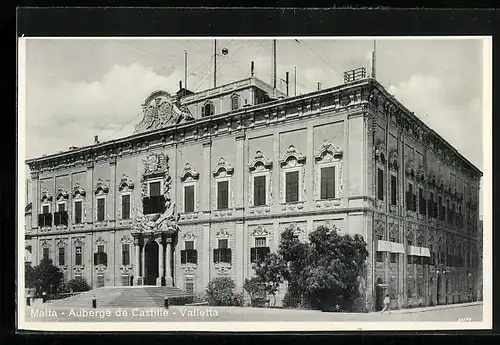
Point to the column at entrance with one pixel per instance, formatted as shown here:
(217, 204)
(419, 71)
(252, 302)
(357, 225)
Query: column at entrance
(161, 257)
(143, 260)
(168, 255)
(137, 253)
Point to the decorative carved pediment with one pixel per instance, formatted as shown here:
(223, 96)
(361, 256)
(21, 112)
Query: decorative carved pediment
(125, 183)
(295, 228)
(45, 243)
(393, 159)
(380, 151)
(77, 190)
(260, 162)
(62, 194)
(189, 172)
(101, 187)
(328, 152)
(291, 157)
(100, 240)
(223, 233)
(78, 242)
(260, 231)
(46, 196)
(61, 243)
(189, 236)
(126, 239)
(162, 109)
(223, 168)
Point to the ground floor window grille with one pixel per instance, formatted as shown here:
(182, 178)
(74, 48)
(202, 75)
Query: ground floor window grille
(125, 280)
(100, 280)
(190, 288)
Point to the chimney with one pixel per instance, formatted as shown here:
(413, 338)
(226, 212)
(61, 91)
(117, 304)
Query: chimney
(96, 139)
(286, 81)
(251, 68)
(319, 86)
(180, 84)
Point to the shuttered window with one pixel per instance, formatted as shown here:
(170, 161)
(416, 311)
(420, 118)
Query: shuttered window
(188, 199)
(328, 183)
(292, 186)
(259, 190)
(222, 195)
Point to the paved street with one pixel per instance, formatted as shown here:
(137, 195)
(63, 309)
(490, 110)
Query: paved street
(467, 313)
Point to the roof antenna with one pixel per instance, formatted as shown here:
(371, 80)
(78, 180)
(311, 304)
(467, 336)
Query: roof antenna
(374, 75)
(251, 68)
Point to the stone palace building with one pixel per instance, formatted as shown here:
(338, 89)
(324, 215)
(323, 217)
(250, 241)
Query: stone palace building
(209, 181)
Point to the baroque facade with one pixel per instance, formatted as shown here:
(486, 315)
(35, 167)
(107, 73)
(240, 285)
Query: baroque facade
(209, 181)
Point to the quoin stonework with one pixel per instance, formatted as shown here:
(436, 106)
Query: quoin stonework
(209, 181)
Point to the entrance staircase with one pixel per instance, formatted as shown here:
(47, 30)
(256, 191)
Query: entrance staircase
(120, 297)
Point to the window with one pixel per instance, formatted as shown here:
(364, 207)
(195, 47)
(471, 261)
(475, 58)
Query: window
(61, 256)
(421, 201)
(125, 280)
(45, 254)
(410, 259)
(61, 207)
(61, 216)
(100, 280)
(100, 258)
(292, 186)
(189, 255)
(100, 248)
(125, 254)
(45, 209)
(78, 212)
(260, 241)
(235, 102)
(441, 209)
(394, 190)
(78, 256)
(222, 195)
(208, 109)
(222, 254)
(393, 258)
(259, 190)
(189, 288)
(45, 219)
(126, 206)
(188, 199)
(379, 257)
(380, 184)
(409, 197)
(155, 188)
(409, 242)
(100, 209)
(328, 183)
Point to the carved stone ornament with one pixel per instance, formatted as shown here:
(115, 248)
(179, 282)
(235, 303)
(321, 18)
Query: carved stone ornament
(45, 244)
(260, 162)
(394, 231)
(161, 109)
(223, 168)
(223, 233)
(125, 183)
(393, 159)
(420, 236)
(328, 152)
(410, 168)
(100, 240)
(259, 231)
(46, 196)
(421, 175)
(101, 187)
(410, 233)
(189, 268)
(380, 151)
(379, 228)
(291, 157)
(61, 243)
(78, 191)
(223, 268)
(155, 163)
(297, 230)
(62, 194)
(189, 173)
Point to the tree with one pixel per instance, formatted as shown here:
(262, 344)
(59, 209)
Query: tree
(271, 272)
(253, 287)
(78, 284)
(220, 291)
(29, 280)
(323, 273)
(45, 278)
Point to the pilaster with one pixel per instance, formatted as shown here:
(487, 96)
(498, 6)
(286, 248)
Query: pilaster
(310, 167)
(88, 262)
(206, 178)
(88, 213)
(206, 254)
(241, 172)
(240, 258)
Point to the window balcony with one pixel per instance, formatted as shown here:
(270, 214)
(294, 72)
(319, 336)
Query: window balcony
(222, 255)
(100, 258)
(45, 220)
(189, 256)
(153, 204)
(61, 218)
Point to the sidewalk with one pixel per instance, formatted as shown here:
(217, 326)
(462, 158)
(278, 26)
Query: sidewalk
(437, 307)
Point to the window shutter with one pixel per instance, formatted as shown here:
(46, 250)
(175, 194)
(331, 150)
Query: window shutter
(183, 256)
(195, 256)
(216, 256)
(203, 111)
(253, 254)
(104, 258)
(324, 182)
(96, 259)
(145, 206)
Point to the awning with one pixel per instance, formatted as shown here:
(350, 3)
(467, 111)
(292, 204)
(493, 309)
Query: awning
(383, 246)
(419, 251)
(397, 248)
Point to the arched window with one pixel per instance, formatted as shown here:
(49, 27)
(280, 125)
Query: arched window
(208, 109)
(235, 101)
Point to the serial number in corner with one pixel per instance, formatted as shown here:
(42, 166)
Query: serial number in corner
(464, 319)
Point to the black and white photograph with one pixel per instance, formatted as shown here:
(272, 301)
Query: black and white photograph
(254, 183)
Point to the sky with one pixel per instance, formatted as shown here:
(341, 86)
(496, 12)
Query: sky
(76, 88)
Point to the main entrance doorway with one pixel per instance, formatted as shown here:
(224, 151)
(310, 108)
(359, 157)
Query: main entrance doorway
(438, 292)
(379, 295)
(151, 263)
